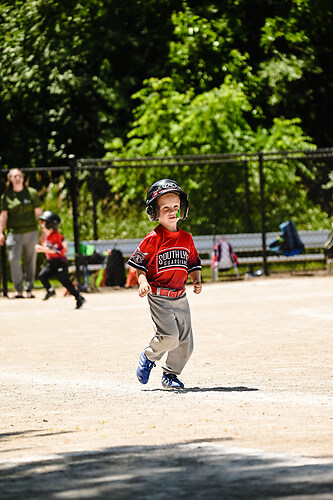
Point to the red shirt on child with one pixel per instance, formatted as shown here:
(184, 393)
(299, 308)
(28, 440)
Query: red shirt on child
(55, 241)
(167, 257)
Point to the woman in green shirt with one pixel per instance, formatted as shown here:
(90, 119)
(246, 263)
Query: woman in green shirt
(20, 208)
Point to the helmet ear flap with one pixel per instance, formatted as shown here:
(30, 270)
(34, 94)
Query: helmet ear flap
(183, 209)
(51, 225)
(152, 212)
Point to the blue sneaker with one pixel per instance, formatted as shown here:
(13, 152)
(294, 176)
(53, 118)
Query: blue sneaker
(144, 368)
(170, 381)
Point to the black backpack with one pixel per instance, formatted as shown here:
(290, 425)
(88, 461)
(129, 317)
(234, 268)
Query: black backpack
(115, 269)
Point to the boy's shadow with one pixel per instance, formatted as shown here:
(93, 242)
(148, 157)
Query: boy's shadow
(207, 389)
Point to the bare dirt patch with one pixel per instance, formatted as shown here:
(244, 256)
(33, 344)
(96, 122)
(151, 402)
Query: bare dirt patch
(258, 402)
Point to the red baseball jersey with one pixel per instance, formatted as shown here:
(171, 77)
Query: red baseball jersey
(55, 241)
(166, 257)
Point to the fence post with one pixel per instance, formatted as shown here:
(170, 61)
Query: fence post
(94, 202)
(263, 212)
(249, 226)
(76, 230)
(4, 279)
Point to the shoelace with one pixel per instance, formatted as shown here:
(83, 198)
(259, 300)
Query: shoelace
(149, 364)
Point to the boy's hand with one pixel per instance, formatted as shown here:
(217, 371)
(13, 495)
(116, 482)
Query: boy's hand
(144, 289)
(39, 248)
(197, 287)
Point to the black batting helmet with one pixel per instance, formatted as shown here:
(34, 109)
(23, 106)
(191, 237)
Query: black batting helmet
(162, 187)
(52, 220)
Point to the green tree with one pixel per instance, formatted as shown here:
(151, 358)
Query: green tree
(68, 70)
(224, 74)
(168, 123)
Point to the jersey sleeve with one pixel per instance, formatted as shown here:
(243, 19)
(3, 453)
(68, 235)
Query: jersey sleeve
(144, 253)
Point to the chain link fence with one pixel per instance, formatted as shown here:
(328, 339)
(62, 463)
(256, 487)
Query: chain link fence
(229, 194)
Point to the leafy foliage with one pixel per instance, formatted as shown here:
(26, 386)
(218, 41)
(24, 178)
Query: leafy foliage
(169, 123)
(68, 70)
(171, 77)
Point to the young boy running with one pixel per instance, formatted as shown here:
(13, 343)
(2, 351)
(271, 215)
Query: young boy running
(163, 261)
(55, 248)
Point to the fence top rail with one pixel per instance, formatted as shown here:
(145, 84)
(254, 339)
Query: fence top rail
(27, 170)
(150, 161)
(179, 160)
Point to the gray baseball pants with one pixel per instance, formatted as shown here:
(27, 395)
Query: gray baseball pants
(173, 332)
(16, 244)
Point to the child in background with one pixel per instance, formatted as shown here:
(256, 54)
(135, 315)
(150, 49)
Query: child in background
(224, 258)
(163, 261)
(55, 248)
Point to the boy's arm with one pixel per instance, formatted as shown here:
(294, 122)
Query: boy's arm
(45, 249)
(196, 278)
(144, 287)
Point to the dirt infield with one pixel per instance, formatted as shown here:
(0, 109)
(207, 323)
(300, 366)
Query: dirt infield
(254, 421)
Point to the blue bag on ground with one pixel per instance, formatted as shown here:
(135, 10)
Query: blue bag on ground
(289, 242)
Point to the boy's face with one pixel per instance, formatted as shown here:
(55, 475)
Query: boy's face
(168, 207)
(45, 229)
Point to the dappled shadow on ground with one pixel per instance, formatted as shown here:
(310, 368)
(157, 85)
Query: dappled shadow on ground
(8, 438)
(5, 436)
(191, 470)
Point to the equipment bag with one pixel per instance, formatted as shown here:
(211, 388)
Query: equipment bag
(328, 246)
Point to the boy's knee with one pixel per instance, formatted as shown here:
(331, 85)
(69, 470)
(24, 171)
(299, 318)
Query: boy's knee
(174, 343)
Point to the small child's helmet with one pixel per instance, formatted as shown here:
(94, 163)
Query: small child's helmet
(162, 187)
(52, 220)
